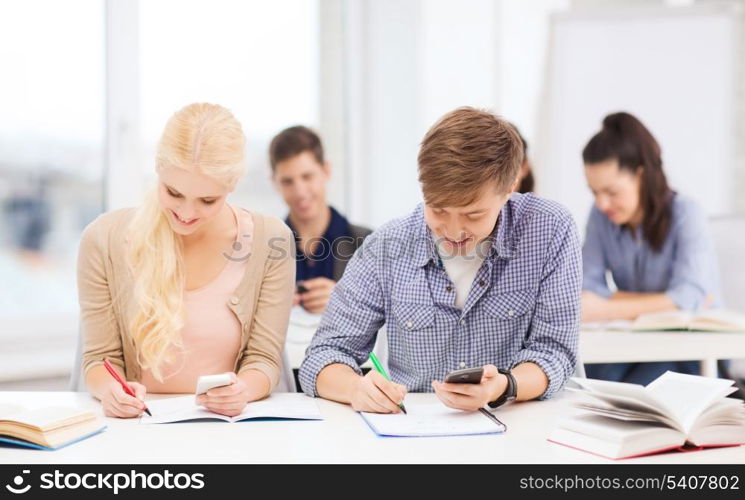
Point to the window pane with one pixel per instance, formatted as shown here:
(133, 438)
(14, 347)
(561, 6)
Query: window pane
(51, 167)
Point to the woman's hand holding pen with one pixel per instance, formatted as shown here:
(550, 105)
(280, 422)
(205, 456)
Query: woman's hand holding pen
(117, 403)
(373, 393)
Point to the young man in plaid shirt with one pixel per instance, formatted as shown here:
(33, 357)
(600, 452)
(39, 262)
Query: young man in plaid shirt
(476, 276)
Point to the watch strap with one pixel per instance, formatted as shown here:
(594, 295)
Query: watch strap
(510, 392)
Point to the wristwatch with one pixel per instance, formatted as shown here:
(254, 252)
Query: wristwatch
(509, 394)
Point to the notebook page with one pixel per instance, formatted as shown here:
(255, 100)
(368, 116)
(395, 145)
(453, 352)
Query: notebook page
(282, 405)
(276, 406)
(431, 419)
(177, 410)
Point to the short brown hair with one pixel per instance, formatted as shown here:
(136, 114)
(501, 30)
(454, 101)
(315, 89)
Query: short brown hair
(292, 142)
(463, 151)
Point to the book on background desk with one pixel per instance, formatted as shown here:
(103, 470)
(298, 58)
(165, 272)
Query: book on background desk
(715, 320)
(46, 428)
(673, 412)
(432, 419)
(281, 406)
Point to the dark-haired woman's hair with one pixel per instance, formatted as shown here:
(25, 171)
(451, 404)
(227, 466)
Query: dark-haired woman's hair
(625, 139)
(527, 184)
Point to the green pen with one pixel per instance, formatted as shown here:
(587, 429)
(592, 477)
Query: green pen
(381, 370)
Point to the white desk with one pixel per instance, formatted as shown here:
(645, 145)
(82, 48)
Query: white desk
(609, 346)
(343, 437)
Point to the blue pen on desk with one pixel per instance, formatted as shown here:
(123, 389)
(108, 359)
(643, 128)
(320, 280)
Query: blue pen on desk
(382, 371)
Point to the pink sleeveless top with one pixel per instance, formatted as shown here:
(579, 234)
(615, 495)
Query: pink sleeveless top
(211, 335)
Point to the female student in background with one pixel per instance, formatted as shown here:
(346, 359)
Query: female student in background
(186, 284)
(654, 241)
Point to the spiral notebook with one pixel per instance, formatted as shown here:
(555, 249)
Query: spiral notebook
(433, 419)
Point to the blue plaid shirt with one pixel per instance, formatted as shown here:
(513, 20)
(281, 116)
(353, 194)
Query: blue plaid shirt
(524, 304)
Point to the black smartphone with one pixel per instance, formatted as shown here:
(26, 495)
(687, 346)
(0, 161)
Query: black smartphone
(465, 376)
(300, 288)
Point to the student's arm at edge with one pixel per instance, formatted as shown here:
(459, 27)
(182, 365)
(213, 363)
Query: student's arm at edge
(624, 305)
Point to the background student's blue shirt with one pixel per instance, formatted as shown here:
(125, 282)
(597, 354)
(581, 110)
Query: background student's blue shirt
(685, 269)
(321, 263)
(523, 305)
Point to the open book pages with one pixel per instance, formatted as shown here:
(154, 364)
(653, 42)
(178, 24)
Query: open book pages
(675, 399)
(431, 419)
(671, 411)
(612, 438)
(289, 406)
(47, 426)
(723, 320)
(719, 320)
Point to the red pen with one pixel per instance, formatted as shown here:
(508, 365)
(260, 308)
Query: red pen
(121, 381)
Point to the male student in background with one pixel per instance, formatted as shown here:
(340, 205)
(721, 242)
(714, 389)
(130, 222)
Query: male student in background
(474, 277)
(325, 239)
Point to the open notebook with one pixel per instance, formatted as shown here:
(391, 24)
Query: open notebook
(47, 428)
(674, 412)
(277, 406)
(433, 419)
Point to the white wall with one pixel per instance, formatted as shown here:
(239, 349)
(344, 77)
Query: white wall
(412, 61)
(388, 70)
(258, 59)
(524, 47)
(676, 77)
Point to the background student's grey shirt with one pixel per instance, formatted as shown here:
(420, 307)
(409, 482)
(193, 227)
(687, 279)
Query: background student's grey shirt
(685, 268)
(523, 306)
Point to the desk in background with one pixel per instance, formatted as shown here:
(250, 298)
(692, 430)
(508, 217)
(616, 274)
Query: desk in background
(611, 346)
(600, 346)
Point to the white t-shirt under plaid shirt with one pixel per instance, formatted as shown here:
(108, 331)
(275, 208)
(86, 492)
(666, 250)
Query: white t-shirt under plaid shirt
(462, 269)
(523, 306)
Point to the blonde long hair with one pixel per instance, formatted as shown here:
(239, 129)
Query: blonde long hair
(203, 138)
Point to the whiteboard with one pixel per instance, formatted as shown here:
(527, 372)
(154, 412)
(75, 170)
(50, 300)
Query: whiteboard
(674, 68)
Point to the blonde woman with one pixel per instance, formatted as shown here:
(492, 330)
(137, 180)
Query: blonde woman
(186, 284)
